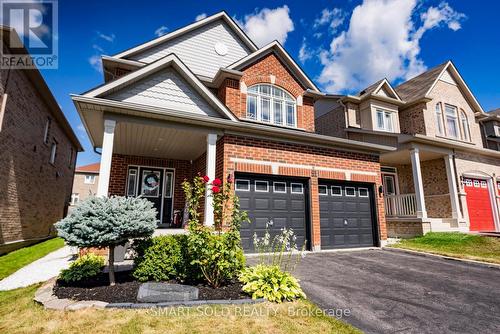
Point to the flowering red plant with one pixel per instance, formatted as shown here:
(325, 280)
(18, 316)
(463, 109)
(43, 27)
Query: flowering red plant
(217, 182)
(215, 189)
(206, 179)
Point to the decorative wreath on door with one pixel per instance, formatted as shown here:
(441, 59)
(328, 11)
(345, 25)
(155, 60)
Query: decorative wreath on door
(151, 180)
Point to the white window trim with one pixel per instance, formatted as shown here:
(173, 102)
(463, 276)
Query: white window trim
(497, 130)
(247, 182)
(386, 124)
(46, 131)
(336, 187)
(464, 124)
(170, 192)
(272, 99)
(322, 186)
(135, 173)
(456, 120)
(91, 181)
(261, 182)
(353, 189)
(439, 119)
(53, 153)
(296, 192)
(279, 192)
(367, 192)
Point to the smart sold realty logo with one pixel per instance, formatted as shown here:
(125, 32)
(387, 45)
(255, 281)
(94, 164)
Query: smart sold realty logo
(35, 24)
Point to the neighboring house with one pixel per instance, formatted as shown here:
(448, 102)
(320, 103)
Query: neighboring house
(38, 151)
(85, 182)
(440, 178)
(205, 100)
(490, 129)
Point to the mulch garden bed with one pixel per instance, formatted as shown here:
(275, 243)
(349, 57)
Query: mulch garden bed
(126, 288)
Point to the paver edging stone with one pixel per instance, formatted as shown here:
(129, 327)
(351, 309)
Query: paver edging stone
(45, 296)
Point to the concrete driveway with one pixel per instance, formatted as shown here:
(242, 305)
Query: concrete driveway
(390, 292)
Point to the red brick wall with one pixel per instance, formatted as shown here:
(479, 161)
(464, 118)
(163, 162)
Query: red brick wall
(33, 192)
(260, 72)
(265, 150)
(119, 169)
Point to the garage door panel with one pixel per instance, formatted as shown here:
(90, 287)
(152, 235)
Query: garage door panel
(279, 204)
(356, 211)
(479, 206)
(284, 209)
(262, 204)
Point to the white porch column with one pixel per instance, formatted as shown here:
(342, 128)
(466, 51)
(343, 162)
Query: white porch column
(211, 152)
(418, 184)
(106, 154)
(452, 186)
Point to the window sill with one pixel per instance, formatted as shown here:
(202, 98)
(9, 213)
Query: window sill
(272, 124)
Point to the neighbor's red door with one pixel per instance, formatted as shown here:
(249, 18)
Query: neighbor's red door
(479, 205)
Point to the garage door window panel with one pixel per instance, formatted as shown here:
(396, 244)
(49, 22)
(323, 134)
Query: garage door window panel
(323, 190)
(243, 185)
(363, 192)
(279, 187)
(350, 191)
(336, 191)
(261, 186)
(297, 188)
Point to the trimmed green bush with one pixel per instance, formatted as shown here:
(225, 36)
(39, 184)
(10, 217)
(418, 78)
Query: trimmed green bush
(271, 283)
(108, 222)
(84, 267)
(162, 258)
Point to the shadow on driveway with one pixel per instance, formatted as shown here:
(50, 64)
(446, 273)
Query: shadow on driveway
(389, 292)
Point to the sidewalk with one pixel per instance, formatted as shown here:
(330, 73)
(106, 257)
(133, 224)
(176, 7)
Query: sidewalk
(40, 270)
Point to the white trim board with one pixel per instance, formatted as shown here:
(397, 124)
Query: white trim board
(276, 165)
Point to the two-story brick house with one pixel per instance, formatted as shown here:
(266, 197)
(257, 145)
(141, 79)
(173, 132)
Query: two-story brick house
(440, 178)
(204, 99)
(38, 152)
(490, 126)
(85, 183)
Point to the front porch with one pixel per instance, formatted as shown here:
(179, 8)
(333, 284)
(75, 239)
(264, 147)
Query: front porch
(152, 160)
(420, 192)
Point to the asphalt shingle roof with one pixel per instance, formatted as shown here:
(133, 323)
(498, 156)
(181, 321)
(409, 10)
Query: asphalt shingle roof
(417, 87)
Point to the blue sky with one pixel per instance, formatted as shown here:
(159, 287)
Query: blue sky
(341, 51)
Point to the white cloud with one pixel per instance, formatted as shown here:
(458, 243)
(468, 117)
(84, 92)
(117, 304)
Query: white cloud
(268, 25)
(95, 62)
(333, 18)
(304, 53)
(161, 31)
(200, 16)
(382, 40)
(109, 38)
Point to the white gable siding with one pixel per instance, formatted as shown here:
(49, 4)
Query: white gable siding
(446, 77)
(383, 92)
(165, 89)
(196, 49)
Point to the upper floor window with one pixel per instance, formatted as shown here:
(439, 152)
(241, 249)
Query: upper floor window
(271, 104)
(451, 121)
(385, 120)
(439, 119)
(89, 179)
(53, 153)
(46, 131)
(465, 126)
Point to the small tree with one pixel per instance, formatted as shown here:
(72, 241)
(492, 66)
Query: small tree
(108, 222)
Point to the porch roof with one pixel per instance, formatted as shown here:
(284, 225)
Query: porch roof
(94, 110)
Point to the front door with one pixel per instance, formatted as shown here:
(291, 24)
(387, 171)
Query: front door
(151, 187)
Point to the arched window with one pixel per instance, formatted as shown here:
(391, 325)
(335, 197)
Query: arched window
(439, 119)
(465, 126)
(271, 104)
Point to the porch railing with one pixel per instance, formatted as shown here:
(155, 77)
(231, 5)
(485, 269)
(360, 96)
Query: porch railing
(404, 205)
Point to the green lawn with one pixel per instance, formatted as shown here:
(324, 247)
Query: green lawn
(17, 259)
(467, 246)
(20, 314)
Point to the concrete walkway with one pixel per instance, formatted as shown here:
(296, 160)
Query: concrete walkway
(40, 270)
